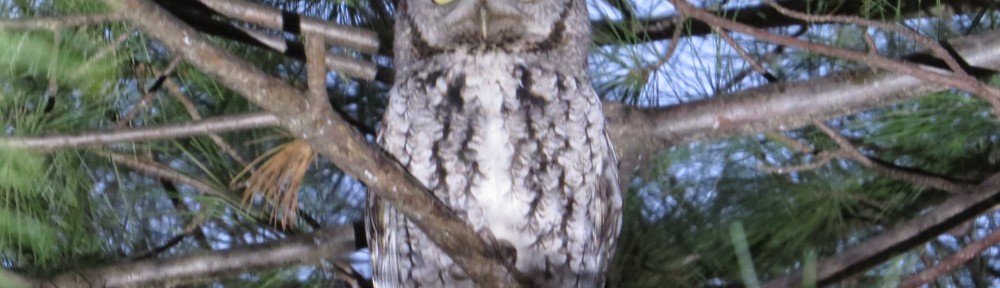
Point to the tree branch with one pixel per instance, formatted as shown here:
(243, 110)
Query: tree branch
(953, 262)
(195, 14)
(764, 17)
(331, 136)
(848, 151)
(956, 210)
(175, 90)
(640, 132)
(303, 249)
(956, 79)
(362, 40)
(56, 22)
(186, 129)
(164, 172)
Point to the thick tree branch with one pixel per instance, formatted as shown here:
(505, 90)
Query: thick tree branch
(199, 15)
(780, 106)
(640, 132)
(332, 137)
(309, 248)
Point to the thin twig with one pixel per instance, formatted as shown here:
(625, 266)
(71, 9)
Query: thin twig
(175, 90)
(958, 209)
(161, 171)
(791, 143)
(847, 150)
(141, 71)
(953, 262)
(186, 129)
(768, 57)
(740, 51)
(194, 226)
(650, 29)
(56, 22)
(309, 249)
(824, 157)
(103, 52)
(674, 43)
(53, 63)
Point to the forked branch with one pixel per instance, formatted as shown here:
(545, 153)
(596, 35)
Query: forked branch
(332, 137)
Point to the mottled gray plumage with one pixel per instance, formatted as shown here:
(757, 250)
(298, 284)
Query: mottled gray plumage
(493, 111)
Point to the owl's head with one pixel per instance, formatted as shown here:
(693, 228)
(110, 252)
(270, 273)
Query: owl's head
(429, 27)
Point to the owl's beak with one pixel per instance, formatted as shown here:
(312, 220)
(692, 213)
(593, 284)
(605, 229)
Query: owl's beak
(484, 16)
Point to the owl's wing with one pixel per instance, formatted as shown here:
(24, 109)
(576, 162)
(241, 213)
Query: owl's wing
(610, 190)
(380, 242)
(377, 217)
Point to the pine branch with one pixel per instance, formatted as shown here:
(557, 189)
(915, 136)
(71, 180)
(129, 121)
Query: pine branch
(186, 129)
(953, 262)
(630, 27)
(175, 90)
(639, 132)
(309, 248)
(332, 137)
(765, 17)
(197, 15)
(173, 242)
(848, 151)
(956, 79)
(56, 22)
(955, 211)
(169, 175)
(362, 40)
(162, 171)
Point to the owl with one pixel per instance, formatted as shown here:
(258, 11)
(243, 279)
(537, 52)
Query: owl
(493, 111)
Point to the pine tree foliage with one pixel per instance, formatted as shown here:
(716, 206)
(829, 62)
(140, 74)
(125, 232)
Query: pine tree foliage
(708, 213)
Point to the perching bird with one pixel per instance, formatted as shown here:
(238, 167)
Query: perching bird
(493, 111)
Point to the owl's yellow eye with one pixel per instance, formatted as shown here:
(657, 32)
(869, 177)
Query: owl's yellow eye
(443, 2)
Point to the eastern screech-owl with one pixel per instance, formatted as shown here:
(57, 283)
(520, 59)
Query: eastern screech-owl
(493, 111)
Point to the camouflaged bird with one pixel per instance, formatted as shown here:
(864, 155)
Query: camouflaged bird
(493, 111)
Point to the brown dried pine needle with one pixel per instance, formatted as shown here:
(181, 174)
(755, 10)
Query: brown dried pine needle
(278, 178)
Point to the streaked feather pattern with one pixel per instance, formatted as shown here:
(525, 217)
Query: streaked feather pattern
(510, 134)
